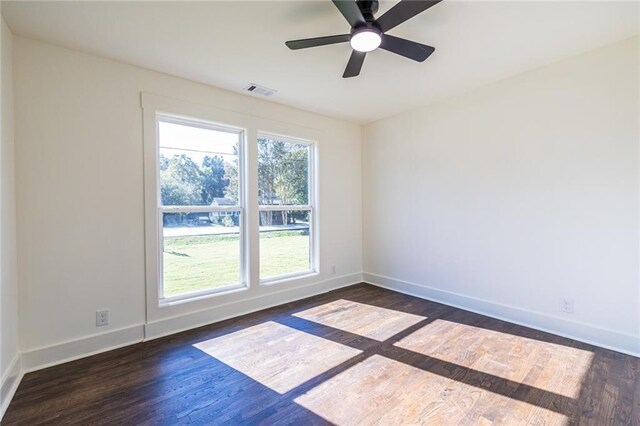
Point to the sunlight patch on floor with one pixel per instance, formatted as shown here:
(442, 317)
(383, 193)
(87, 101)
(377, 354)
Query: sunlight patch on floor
(547, 366)
(277, 356)
(359, 318)
(383, 391)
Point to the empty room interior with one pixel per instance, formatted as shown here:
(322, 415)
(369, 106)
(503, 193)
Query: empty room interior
(317, 212)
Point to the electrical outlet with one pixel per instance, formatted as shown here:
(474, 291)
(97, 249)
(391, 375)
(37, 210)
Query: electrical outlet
(566, 306)
(102, 317)
(333, 269)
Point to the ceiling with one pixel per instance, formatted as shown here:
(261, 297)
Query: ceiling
(229, 44)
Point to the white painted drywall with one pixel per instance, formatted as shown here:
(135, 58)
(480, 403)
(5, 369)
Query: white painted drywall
(8, 266)
(79, 177)
(517, 194)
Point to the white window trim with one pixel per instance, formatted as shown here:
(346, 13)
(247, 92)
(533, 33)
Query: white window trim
(310, 207)
(189, 312)
(239, 207)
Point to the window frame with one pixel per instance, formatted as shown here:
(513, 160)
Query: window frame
(196, 309)
(311, 207)
(240, 207)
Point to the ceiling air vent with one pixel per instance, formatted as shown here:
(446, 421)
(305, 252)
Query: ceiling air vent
(259, 90)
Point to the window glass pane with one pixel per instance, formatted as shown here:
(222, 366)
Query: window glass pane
(283, 172)
(198, 166)
(201, 251)
(284, 243)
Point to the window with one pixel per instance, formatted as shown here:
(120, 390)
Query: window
(224, 219)
(286, 207)
(200, 209)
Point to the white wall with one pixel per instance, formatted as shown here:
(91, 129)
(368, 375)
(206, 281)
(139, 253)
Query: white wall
(515, 195)
(79, 178)
(9, 361)
(503, 200)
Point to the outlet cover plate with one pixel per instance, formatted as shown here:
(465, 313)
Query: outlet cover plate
(566, 306)
(102, 317)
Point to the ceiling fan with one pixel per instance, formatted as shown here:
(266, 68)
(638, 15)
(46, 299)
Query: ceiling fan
(368, 33)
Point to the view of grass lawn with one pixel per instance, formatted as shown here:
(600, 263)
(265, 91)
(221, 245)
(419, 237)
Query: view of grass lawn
(193, 263)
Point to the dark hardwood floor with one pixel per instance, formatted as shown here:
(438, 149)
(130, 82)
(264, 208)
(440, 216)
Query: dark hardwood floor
(360, 355)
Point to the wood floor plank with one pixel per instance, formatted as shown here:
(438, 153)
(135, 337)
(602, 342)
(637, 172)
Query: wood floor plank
(358, 355)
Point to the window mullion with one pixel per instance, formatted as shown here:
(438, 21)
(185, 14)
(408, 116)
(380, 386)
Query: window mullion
(199, 209)
(267, 208)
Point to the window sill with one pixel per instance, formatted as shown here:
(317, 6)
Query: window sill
(207, 294)
(281, 279)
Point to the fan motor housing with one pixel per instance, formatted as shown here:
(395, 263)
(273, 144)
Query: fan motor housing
(368, 9)
(370, 26)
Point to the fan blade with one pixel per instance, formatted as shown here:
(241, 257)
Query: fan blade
(355, 64)
(407, 48)
(350, 11)
(403, 11)
(317, 41)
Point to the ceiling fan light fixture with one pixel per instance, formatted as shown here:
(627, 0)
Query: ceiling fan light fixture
(368, 32)
(365, 40)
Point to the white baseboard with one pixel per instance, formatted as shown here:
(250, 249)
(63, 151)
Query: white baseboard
(9, 384)
(37, 359)
(164, 327)
(587, 333)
